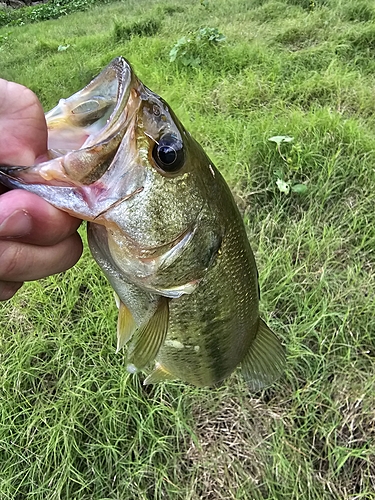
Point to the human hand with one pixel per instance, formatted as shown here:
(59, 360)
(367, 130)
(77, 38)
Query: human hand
(36, 239)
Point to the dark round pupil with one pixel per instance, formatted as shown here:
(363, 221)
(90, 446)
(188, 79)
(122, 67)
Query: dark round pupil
(167, 154)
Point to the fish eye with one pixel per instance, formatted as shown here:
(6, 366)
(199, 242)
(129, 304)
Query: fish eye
(168, 153)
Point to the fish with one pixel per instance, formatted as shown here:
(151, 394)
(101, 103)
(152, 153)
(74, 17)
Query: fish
(164, 228)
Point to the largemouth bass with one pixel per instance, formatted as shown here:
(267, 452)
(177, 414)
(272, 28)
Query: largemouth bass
(164, 228)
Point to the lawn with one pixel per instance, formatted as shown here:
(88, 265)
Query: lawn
(74, 425)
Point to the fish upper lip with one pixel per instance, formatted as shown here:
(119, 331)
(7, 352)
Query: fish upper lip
(112, 87)
(126, 82)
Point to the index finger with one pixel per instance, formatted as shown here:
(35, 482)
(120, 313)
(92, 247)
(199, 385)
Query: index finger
(30, 219)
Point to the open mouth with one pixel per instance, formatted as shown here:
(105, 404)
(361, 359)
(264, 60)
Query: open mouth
(89, 166)
(93, 114)
(85, 131)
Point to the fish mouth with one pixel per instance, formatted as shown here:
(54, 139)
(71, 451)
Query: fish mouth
(93, 114)
(84, 131)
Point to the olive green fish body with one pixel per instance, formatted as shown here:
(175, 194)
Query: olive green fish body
(164, 228)
(211, 330)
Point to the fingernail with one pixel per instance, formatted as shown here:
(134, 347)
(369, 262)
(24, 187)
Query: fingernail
(16, 225)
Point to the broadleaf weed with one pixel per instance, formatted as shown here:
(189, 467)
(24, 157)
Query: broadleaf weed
(286, 175)
(191, 51)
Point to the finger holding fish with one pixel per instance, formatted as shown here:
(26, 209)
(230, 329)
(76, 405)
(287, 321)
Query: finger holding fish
(36, 239)
(23, 127)
(29, 219)
(24, 262)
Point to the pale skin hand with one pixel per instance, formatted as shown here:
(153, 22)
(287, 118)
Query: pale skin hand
(36, 239)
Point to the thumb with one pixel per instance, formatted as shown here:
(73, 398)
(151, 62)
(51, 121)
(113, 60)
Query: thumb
(23, 126)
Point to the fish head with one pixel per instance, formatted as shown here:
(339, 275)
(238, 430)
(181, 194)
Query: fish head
(120, 158)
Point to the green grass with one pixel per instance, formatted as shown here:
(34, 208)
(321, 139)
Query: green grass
(73, 424)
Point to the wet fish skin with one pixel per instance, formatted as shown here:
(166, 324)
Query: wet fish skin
(167, 234)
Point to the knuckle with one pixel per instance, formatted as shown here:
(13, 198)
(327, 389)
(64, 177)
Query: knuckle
(12, 260)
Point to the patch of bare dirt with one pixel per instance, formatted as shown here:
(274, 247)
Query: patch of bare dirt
(233, 439)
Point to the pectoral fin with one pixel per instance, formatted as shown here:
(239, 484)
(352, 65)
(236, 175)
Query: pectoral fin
(264, 360)
(126, 325)
(148, 339)
(160, 374)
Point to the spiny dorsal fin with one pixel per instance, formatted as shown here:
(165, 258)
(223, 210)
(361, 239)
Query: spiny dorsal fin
(265, 359)
(160, 374)
(125, 326)
(149, 337)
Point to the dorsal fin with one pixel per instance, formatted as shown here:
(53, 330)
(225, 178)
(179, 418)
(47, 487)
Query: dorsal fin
(265, 359)
(148, 339)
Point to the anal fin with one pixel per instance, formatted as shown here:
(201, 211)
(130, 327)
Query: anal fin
(160, 374)
(148, 339)
(265, 359)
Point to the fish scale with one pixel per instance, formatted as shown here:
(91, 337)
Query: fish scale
(163, 227)
(226, 324)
